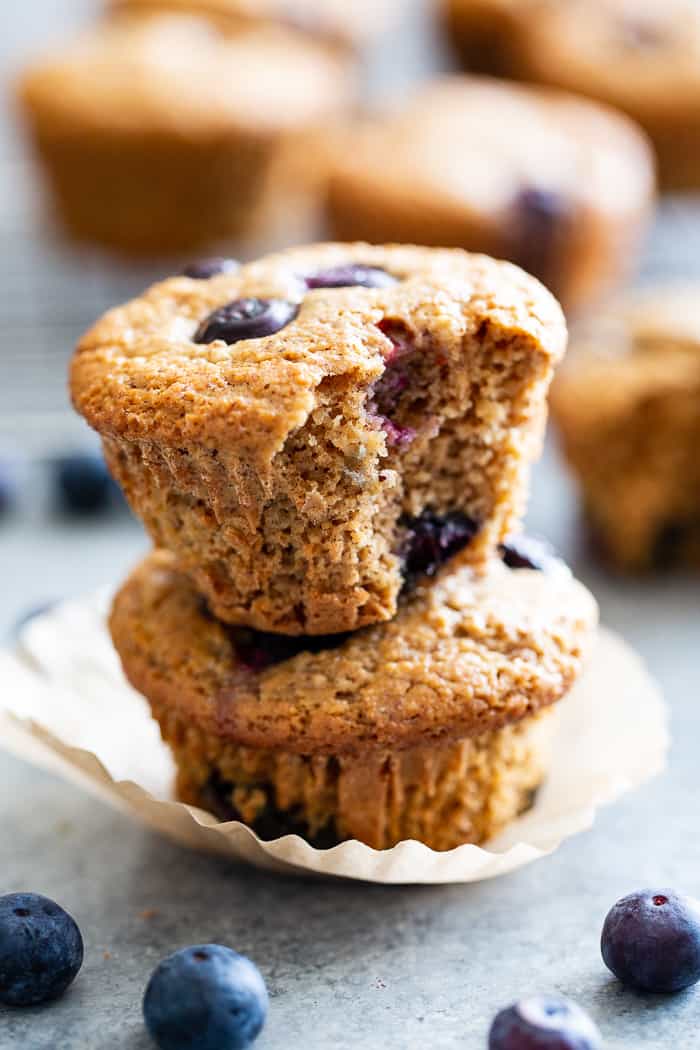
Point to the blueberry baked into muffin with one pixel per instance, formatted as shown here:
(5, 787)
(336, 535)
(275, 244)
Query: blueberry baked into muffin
(159, 134)
(640, 57)
(627, 408)
(311, 434)
(560, 186)
(350, 24)
(436, 726)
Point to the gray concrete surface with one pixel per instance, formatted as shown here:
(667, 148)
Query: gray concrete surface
(349, 965)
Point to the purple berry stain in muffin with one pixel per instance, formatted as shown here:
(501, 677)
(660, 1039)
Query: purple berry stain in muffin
(258, 650)
(395, 381)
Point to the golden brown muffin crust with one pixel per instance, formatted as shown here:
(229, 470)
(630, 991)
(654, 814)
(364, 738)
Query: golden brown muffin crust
(464, 656)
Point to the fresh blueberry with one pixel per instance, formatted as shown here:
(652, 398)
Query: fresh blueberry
(257, 650)
(349, 274)
(246, 319)
(8, 488)
(203, 269)
(527, 552)
(651, 940)
(83, 485)
(432, 539)
(544, 1023)
(41, 950)
(206, 997)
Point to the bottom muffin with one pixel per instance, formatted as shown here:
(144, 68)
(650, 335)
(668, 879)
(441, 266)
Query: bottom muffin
(435, 726)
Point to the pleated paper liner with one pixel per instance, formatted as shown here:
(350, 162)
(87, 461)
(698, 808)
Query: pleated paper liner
(65, 706)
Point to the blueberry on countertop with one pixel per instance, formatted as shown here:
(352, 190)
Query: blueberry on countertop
(8, 488)
(544, 1023)
(651, 940)
(246, 319)
(41, 949)
(206, 997)
(203, 269)
(83, 485)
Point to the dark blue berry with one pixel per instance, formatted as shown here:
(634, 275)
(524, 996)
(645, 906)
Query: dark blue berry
(432, 539)
(41, 950)
(651, 940)
(544, 1023)
(528, 552)
(349, 274)
(8, 488)
(246, 319)
(257, 650)
(206, 997)
(83, 485)
(203, 269)
(540, 216)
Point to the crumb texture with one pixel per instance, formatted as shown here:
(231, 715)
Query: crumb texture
(466, 655)
(281, 471)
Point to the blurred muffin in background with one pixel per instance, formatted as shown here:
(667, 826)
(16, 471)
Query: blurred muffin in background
(161, 134)
(347, 22)
(640, 56)
(627, 408)
(561, 186)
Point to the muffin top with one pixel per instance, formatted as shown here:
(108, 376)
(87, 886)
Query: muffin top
(638, 52)
(647, 346)
(179, 74)
(465, 655)
(240, 360)
(340, 20)
(492, 148)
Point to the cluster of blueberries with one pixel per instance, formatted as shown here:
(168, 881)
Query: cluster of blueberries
(208, 997)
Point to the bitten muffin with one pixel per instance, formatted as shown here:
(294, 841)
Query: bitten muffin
(643, 58)
(627, 408)
(311, 433)
(349, 24)
(160, 134)
(560, 186)
(435, 726)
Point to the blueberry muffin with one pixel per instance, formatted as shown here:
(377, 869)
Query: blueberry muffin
(435, 726)
(642, 58)
(627, 409)
(160, 134)
(558, 185)
(313, 432)
(337, 21)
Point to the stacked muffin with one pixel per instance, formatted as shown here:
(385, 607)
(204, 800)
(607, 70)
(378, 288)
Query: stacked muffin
(330, 448)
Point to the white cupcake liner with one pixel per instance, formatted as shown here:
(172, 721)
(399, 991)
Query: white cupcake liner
(65, 706)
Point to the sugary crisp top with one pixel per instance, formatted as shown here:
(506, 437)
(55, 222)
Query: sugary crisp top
(139, 373)
(174, 73)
